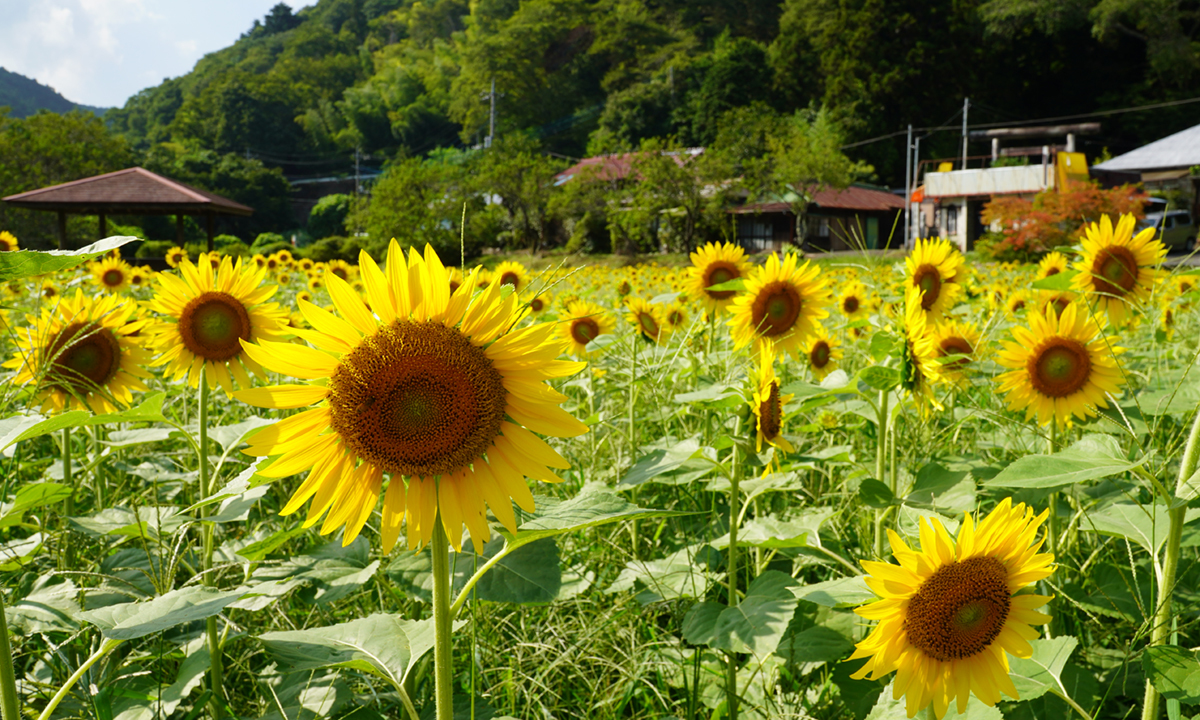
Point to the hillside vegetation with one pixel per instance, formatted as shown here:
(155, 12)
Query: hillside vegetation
(25, 96)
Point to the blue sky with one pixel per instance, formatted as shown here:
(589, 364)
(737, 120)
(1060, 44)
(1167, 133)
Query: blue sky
(99, 52)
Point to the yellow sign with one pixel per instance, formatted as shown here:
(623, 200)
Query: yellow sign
(1069, 168)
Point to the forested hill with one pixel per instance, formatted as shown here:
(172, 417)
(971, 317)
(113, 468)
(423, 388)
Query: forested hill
(24, 96)
(398, 77)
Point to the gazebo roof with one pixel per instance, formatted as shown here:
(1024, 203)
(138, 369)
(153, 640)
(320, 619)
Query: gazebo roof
(134, 191)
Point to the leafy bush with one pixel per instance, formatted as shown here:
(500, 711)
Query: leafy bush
(328, 217)
(1029, 228)
(265, 239)
(154, 249)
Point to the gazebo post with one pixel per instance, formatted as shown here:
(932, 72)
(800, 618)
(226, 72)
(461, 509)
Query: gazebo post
(62, 230)
(103, 226)
(179, 229)
(209, 226)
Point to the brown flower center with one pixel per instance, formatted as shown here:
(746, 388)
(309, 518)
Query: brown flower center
(511, 278)
(850, 305)
(1051, 271)
(112, 278)
(1114, 271)
(717, 273)
(929, 280)
(648, 325)
(955, 346)
(960, 609)
(211, 324)
(584, 330)
(1059, 367)
(83, 357)
(776, 309)
(770, 414)
(819, 355)
(417, 399)
(537, 304)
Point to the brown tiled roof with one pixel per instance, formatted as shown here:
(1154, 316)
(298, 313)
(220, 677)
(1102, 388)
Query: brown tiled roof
(134, 191)
(616, 166)
(851, 198)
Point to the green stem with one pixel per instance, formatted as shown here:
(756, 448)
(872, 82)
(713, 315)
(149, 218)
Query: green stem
(881, 425)
(105, 648)
(1052, 530)
(735, 478)
(69, 481)
(1161, 628)
(633, 444)
(216, 663)
(10, 705)
(443, 624)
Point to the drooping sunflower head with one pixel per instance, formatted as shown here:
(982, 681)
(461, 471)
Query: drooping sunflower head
(768, 403)
(823, 353)
(513, 273)
(1060, 367)
(208, 314)
(933, 269)
(177, 255)
(584, 322)
(8, 242)
(1052, 263)
(648, 319)
(431, 388)
(919, 369)
(950, 611)
(715, 264)
(82, 353)
(956, 343)
(782, 303)
(111, 273)
(1117, 269)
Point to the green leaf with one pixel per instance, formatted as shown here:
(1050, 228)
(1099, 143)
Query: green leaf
(665, 298)
(1058, 281)
(383, 645)
(883, 345)
(711, 393)
(142, 697)
(142, 436)
(230, 436)
(49, 608)
(755, 625)
(661, 462)
(875, 494)
(256, 551)
(736, 285)
(941, 489)
(150, 410)
(770, 532)
(151, 521)
(30, 497)
(840, 593)
(815, 645)
(677, 575)
(1145, 525)
(22, 264)
(595, 504)
(129, 621)
(880, 377)
(529, 574)
(1042, 672)
(330, 573)
(15, 554)
(1092, 458)
(1174, 672)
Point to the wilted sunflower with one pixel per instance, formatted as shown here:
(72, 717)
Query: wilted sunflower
(583, 323)
(919, 368)
(1117, 269)
(208, 313)
(768, 403)
(715, 264)
(431, 388)
(82, 354)
(953, 338)
(1061, 366)
(648, 319)
(8, 242)
(511, 273)
(1052, 263)
(177, 255)
(950, 612)
(782, 303)
(823, 354)
(933, 269)
(111, 273)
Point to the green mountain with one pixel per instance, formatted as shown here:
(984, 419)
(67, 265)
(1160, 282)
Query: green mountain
(25, 96)
(395, 78)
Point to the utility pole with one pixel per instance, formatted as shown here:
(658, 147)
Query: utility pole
(915, 179)
(491, 117)
(357, 173)
(966, 109)
(907, 181)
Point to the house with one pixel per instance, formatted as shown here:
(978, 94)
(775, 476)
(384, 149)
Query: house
(852, 218)
(617, 166)
(1162, 165)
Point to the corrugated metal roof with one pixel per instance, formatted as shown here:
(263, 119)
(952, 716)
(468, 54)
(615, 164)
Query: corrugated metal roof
(135, 190)
(1180, 150)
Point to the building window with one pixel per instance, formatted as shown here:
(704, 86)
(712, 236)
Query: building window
(952, 220)
(756, 233)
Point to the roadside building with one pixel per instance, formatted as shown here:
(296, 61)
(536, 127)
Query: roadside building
(853, 218)
(1163, 165)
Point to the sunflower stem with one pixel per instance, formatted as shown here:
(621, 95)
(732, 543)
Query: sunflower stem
(443, 623)
(105, 648)
(10, 705)
(1053, 628)
(216, 664)
(1161, 629)
(633, 443)
(881, 424)
(735, 478)
(69, 481)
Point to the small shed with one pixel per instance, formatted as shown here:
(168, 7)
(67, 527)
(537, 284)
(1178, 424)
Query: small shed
(856, 217)
(1163, 164)
(133, 191)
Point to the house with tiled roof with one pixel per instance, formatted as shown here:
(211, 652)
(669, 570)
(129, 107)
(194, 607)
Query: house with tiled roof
(853, 218)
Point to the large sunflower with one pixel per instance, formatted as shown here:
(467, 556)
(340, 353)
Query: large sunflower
(584, 322)
(768, 403)
(209, 312)
(949, 612)
(1118, 269)
(82, 353)
(714, 264)
(431, 388)
(1061, 366)
(782, 303)
(919, 368)
(933, 269)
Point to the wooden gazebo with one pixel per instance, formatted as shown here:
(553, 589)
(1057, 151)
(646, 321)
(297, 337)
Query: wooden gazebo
(134, 191)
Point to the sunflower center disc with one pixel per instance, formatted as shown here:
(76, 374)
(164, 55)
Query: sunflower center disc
(510, 278)
(720, 273)
(929, 280)
(83, 357)
(1114, 271)
(820, 354)
(649, 326)
(113, 277)
(584, 330)
(776, 309)
(211, 324)
(1052, 271)
(955, 346)
(417, 399)
(960, 609)
(850, 305)
(537, 304)
(1060, 368)
(770, 413)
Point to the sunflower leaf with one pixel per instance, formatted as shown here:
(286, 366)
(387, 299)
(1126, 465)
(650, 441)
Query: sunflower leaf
(21, 264)
(1042, 672)
(595, 505)
(755, 625)
(840, 593)
(1057, 281)
(1092, 458)
(1174, 672)
(150, 410)
(128, 621)
(880, 378)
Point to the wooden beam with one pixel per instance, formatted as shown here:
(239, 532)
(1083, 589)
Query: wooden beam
(62, 230)
(179, 229)
(103, 226)
(209, 226)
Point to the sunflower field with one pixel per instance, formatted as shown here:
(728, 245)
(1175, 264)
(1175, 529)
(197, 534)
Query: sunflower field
(757, 487)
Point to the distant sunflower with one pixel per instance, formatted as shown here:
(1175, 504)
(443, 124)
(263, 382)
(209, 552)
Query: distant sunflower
(676, 316)
(81, 353)
(1058, 301)
(483, 278)
(111, 273)
(823, 354)
(853, 300)
(584, 322)
(284, 258)
(1052, 263)
(950, 613)
(933, 269)
(540, 303)
(177, 255)
(715, 264)
(624, 288)
(768, 403)
(1061, 367)
(648, 319)
(209, 312)
(953, 338)
(49, 290)
(512, 273)
(304, 295)
(8, 242)
(283, 278)
(919, 368)
(139, 277)
(782, 303)
(304, 265)
(1117, 269)
(315, 283)
(1016, 302)
(341, 268)
(432, 388)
